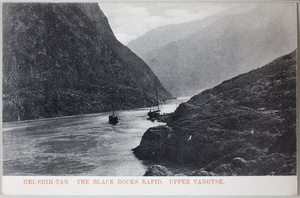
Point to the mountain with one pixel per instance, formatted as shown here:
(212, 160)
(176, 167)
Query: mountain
(63, 59)
(218, 47)
(244, 126)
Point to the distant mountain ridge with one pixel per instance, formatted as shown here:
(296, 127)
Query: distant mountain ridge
(168, 34)
(63, 59)
(201, 54)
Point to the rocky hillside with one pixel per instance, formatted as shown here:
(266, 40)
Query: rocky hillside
(63, 59)
(244, 126)
(218, 47)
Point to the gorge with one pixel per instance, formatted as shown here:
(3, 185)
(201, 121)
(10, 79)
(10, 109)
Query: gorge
(62, 59)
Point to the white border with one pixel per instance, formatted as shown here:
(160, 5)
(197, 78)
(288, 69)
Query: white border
(240, 185)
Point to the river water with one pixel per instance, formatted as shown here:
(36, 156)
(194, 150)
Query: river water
(78, 145)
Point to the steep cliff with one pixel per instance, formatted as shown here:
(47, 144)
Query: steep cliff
(63, 59)
(244, 126)
(219, 47)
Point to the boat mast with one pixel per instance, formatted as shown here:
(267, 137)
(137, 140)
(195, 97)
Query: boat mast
(113, 109)
(157, 98)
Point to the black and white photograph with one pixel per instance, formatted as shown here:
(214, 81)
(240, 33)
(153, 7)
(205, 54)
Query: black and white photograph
(200, 90)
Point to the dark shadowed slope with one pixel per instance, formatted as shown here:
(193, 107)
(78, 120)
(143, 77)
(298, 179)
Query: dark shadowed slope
(219, 47)
(244, 126)
(63, 59)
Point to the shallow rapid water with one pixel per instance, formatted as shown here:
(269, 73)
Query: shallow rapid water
(78, 145)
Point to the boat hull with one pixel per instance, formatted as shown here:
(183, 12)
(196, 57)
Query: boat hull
(113, 119)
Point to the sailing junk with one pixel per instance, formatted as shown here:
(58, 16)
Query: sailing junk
(113, 119)
(152, 114)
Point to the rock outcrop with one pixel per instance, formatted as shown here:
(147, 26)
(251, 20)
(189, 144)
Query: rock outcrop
(63, 59)
(158, 170)
(152, 141)
(244, 126)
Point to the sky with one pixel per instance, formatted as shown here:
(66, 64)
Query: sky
(131, 20)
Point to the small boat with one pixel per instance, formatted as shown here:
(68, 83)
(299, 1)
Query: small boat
(152, 114)
(113, 119)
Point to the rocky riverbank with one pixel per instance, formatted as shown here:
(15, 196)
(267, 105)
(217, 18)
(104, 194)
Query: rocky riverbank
(244, 126)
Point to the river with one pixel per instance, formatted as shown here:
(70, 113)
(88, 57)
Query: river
(78, 145)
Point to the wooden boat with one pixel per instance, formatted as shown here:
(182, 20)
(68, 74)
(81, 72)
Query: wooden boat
(152, 114)
(113, 119)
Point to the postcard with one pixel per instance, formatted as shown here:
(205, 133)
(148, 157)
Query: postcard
(149, 98)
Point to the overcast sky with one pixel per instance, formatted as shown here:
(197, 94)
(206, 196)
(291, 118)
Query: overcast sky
(131, 20)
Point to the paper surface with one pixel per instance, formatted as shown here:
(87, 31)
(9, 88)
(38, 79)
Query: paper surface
(55, 132)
